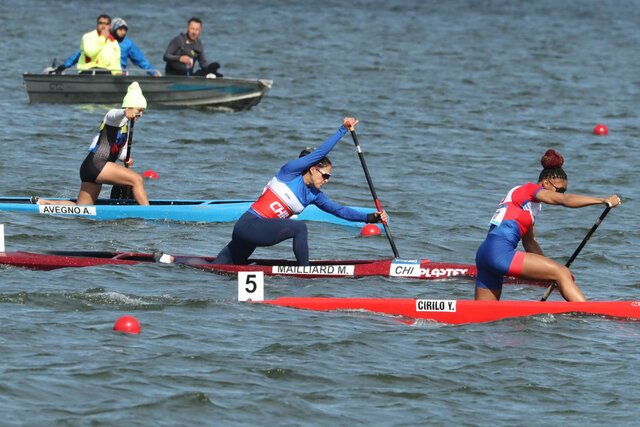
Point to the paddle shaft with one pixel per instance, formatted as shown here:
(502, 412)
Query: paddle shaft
(373, 193)
(125, 191)
(129, 143)
(577, 251)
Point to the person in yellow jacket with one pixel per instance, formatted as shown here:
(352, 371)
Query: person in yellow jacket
(99, 49)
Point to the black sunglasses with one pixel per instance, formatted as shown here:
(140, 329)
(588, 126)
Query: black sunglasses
(558, 189)
(324, 174)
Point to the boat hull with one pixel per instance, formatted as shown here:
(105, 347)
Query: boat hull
(165, 91)
(169, 210)
(417, 269)
(461, 311)
(420, 269)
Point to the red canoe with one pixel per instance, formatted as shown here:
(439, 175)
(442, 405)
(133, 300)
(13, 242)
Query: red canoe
(461, 311)
(52, 260)
(418, 269)
(421, 269)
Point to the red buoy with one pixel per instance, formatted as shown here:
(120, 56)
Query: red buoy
(370, 230)
(127, 324)
(150, 173)
(600, 130)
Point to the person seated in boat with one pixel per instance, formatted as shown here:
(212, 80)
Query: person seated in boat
(99, 50)
(128, 51)
(514, 221)
(296, 185)
(187, 48)
(109, 145)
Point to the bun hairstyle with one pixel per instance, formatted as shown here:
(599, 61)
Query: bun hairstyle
(322, 163)
(306, 151)
(552, 162)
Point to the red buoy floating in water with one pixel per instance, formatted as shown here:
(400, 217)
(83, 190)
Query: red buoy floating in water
(150, 173)
(370, 230)
(127, 324)
(600, 130)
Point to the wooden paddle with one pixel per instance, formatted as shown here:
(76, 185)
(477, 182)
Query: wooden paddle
(577, 251)
(373, 192)
(125, 191)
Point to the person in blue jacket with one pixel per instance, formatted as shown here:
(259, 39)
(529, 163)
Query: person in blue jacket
(268, 221)
(295, 186)
(128, 50)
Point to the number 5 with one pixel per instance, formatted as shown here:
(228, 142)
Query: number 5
(250, 280)
(250, 286)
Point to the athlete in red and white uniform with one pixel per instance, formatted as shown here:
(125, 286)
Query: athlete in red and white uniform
(514, 221)
(296, 185)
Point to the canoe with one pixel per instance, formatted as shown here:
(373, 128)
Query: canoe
(52, 260)
(419, 269)
(166, 91)
(461, 311)
(423, 269)
(170, 210)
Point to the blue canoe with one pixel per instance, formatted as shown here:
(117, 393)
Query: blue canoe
(168, 210)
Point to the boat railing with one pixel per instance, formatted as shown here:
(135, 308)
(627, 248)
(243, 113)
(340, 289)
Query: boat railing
(104, 71)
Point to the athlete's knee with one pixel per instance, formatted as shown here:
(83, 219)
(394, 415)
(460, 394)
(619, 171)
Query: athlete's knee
(137, 180)
(300, 227)
(561, 273)
(564, 273)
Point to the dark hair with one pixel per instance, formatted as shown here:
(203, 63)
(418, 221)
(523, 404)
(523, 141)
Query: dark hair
(552, 162)
(306, 151)
(325, 161)
(103, 17)
(194, 19)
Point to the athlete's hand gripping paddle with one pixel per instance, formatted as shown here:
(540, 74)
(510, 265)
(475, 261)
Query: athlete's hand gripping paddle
(373, 190)
(577, 251)
(125, 191)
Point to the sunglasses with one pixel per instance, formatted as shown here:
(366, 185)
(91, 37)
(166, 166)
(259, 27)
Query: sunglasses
(325, 175)
(558, 189)
(104, 23)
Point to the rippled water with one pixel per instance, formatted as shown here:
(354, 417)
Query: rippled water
(457, 101)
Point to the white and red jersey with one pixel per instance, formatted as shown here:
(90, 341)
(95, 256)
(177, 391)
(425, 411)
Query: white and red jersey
(277, 201)
(517, 212)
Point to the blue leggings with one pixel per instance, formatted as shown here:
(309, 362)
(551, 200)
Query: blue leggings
(497, 257)
(252, 231)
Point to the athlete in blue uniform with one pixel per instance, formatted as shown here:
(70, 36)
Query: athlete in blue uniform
(514, 220)
(296, 185)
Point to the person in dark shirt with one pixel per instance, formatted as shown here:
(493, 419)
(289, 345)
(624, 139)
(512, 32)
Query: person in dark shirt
(187, 48)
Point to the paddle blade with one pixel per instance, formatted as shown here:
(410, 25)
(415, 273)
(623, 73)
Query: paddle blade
(121, 192)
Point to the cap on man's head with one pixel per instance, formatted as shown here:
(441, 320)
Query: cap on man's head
(118, 23)
(134, 97)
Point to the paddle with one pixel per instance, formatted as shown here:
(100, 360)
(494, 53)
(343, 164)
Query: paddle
(373, 192)
(125, 191)
(577, 251)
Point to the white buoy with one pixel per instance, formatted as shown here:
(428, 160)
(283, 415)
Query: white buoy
(1, 237)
